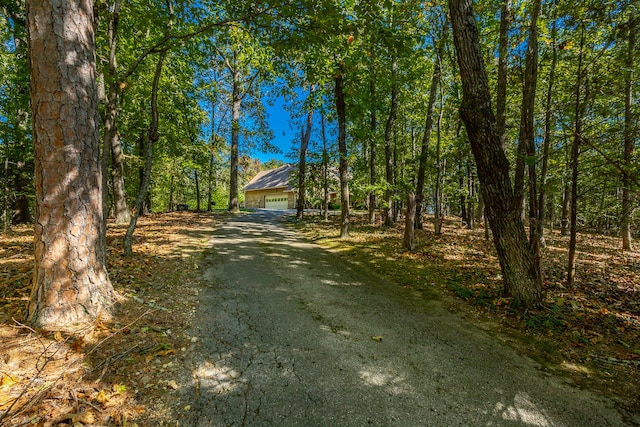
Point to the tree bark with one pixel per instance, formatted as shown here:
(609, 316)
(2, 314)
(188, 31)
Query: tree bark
(389, 218)
(521, 278)
(409, 231)
(547, 137)
(70, 282)
(302, 166)
(575, 152)
(426, 136)
(342, 152)
(373, 127)
(236, 101)
(325, 171)
(152, 137)
(111, 135)
(629, 140)
(501, 90)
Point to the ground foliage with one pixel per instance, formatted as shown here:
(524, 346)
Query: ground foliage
(130, 371)
(590, 334)
(122, 372)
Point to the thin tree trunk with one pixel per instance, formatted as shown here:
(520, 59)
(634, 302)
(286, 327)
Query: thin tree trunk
(426, 137)
(152, 137)
(527, 129)
(325, 171)
(342, 152)
(70, 281)
(302, 166)
(389, 218)
(575, 151)
(470, 198)
(195, 172)
(503, 52)
(521, 278)
(409, 232)
(373, 127)
(547, 138)
(437, 209)
(629, 140)
(236, 102)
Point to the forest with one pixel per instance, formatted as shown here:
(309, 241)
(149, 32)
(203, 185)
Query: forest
(514, 120)
(376, 91)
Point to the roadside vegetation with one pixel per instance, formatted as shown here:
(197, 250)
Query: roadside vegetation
(124, 372)
(589, 333)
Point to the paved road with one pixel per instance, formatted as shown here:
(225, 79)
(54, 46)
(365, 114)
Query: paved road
(286, 340)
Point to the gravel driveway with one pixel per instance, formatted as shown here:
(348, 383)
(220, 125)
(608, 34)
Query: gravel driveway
(292, 335)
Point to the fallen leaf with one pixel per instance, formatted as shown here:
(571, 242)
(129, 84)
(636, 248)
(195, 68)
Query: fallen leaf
(173, 384)
(377, 338)
(102, 397)
(58, 336)
(8, 381)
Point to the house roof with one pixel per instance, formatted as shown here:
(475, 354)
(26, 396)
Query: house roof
(272, 178)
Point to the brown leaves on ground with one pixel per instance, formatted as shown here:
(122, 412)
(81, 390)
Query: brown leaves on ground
(590, 332)
(119, 372)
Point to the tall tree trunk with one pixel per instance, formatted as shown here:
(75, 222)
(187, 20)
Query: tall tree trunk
(373, 127)
(342, 152)
(437, 209)
(236, 101)
(302, 165)
(211, 157)
(521, 278)
(325, 171)
(389, 218)
(426, 137)
(501, 90)
(575, 152)
(629, 140)
(547, 137)
(152, 137)
(527, 131)
(566, 198)
(471, 191)
(111, 135)
(70, 281)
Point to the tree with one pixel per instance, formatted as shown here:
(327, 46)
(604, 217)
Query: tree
(629, 143)
(521, 277)
(71, 284)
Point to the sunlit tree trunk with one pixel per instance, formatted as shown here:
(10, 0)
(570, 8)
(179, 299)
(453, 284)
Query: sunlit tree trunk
(373, 127)
(325, 171)
(501, 90)
(70, 281)
(520, 275)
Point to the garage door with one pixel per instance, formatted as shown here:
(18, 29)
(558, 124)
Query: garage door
(276, 202)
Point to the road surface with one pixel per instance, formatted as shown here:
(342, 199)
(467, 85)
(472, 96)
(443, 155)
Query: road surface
(292, 335)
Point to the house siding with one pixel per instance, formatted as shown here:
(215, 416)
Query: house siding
(254, 199)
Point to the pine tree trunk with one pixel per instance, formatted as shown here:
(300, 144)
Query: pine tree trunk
(70, 282)
(521, 278)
